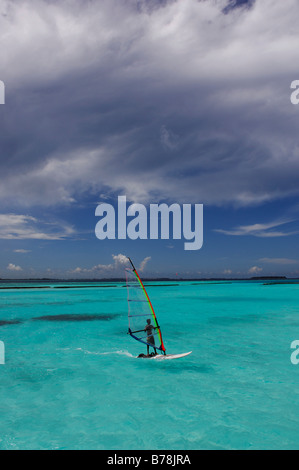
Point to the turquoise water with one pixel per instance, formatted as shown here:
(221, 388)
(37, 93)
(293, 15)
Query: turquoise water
(71, 379)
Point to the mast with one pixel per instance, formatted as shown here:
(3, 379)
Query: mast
(134, 269)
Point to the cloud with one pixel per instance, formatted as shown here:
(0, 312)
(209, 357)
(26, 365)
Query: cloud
(168, 139)
(144, 263)
(120, 262)
(22, 251)
(97, 269)
(280, 261)
(13, 267)
(21, 227)
(100, 96)
(255, 270)
(260, 230)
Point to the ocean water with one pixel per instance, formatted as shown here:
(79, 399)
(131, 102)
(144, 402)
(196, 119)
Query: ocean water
(71, 379)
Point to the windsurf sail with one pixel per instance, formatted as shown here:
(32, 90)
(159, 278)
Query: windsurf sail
(140, 310)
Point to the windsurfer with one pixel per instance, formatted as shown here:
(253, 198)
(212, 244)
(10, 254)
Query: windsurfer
(150, 337)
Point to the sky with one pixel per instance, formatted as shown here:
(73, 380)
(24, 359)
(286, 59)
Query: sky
(173, 101)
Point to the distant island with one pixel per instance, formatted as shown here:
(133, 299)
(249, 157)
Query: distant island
(160, 279)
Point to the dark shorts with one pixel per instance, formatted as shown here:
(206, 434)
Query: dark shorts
(150, 340)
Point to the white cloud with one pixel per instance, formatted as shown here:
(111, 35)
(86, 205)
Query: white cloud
(21, 250)
(120, 261)
(21, 227)
(168, 139)
(281, 261)
(255, 270)
(144, 263)
(260, 230)
(77, 270)
(97, 269)
(13, 267)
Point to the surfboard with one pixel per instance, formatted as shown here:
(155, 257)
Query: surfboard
(165, 356)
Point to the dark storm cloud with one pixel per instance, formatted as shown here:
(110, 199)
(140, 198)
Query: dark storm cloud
(238, 4)
(152, 99)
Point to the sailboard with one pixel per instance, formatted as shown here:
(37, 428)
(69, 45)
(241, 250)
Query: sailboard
(143, 322)
(158, 357)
